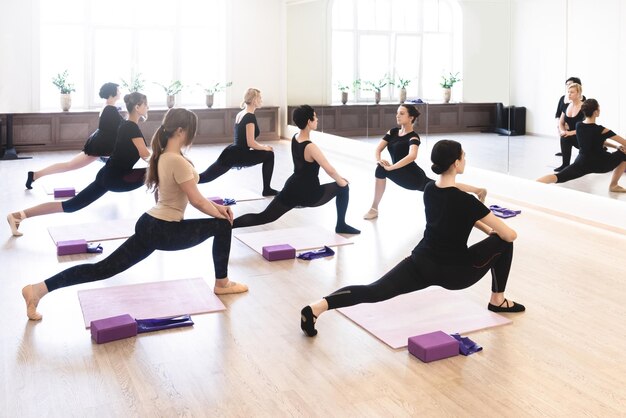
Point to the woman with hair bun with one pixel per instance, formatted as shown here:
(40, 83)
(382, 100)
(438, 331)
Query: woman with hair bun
(162, 227)
(118, 174)
(403, 143)
(99, 144)
(245, 151)
(442, 257)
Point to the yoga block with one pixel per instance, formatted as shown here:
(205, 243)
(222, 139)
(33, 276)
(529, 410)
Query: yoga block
(64, 192)
(433, 346)
(76, 246)
(113, 328)
(279, 252)
(216, 199)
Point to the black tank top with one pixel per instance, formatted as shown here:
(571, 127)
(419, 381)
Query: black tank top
(301, 167)
(571, 121)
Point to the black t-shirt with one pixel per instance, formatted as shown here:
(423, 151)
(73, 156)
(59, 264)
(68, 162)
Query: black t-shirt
(561, 106)
(241, 140)
(591, 139)
(450, 217)
(110, 121)
(398, 146)
(125, 154)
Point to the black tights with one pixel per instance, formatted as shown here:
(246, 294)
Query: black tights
(277, 208)
(417, 272)
(567, 142)
(153, 234)
(245, 159)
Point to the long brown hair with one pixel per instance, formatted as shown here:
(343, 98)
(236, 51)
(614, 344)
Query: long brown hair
(174, 118)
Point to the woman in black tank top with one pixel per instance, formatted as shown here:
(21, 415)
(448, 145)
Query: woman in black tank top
(567, 124)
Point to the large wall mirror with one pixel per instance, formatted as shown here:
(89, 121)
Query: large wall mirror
(519, 73)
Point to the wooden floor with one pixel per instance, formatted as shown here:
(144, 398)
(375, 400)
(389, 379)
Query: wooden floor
(563, 357)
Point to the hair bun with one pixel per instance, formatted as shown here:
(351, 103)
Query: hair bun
(436, 169)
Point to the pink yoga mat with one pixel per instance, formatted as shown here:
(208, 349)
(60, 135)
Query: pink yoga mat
(150, 300)
(433, 309)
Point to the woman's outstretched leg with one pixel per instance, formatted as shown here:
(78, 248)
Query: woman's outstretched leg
(214, 171)
(79, 161)
(274, 210)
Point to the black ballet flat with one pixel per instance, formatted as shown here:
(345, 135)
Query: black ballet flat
(307, 321)
(30, 180)
(561, 168)
(518, 307)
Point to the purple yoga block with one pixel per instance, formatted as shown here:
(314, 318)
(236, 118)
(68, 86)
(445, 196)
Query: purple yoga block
(113, 328)
(77, 246)
(279, 252)
(216, 199)
(433, 346)
(64, 192)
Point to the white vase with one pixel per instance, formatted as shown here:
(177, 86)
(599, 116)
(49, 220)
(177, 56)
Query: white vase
(209, 100)
(66, 102)
(447, 93)
(402, 95)
(344, 97)
(377, 97)
(171, 101)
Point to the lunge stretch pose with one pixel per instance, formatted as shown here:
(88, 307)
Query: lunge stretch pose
(99, 144)
(442, 257)
(593, 158)
(117, 175)
(403, 144)
(572, 114)
(163, 226)
(245, 151)
(303, 187)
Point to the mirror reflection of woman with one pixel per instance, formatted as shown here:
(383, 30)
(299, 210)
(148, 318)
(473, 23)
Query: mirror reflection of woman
(567, 124)
(403, 144)
(593, 158)
(442, 257)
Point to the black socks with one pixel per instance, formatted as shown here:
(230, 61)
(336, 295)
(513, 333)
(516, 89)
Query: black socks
(30, 180)
(346, 229)
(307, 321)
(269, 192)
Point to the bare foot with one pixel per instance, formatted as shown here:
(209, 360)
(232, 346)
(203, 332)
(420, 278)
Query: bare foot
(617, 189)
(230, 288)
(28, 292)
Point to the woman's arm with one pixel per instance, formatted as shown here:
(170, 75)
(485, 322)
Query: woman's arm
(379, 149)
(312, 152)
(144, 152)
(204, 205)
(617, 139)
(411, 156)
(478, 191)
(491, 224)
(251, 142)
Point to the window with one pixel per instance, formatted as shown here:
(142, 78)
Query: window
(409, 39)
(116, 40)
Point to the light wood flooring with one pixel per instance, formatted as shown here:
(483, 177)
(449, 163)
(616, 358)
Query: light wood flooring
(563, 357)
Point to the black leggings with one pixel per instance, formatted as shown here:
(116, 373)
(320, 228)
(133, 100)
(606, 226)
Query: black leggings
(411, 176)
(278, 208)
(153, 234)
(567, 142)
(418, 272)
(106, 181)
(241, 158)
(583, 166)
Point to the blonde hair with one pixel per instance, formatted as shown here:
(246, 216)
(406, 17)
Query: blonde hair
(174, 118)
(250, 96)
(577, 87)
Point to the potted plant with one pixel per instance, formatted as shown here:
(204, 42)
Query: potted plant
(66, 88)
(136, 83)
(171, 91)
(344, 88)
(447, 83)
(402, 83)
(376, 86)
(215, 88)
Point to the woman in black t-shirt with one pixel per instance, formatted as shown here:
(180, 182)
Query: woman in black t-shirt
(402, 144)
(117, 175)
(593, 158)
(571, 115)
(99, 144)
(245, 151)
(442, 257)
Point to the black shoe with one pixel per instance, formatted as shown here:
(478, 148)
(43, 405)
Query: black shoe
(269, 192)
(30, 180)
(518, 307)
(346, 229)
(558, 154)
(307, 321)
(561, 168)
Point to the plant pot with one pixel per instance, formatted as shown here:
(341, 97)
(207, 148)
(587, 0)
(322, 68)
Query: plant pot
(171, 101)
(344, 97)
(377, 97)
(209, 100)
(402, 95)
(66, 102)
(447, 93)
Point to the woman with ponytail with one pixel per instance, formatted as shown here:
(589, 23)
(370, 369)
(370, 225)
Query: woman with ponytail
(162, 227)
(245, 151)
(117, 175)
(442, 257)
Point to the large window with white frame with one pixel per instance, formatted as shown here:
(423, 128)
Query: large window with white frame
(374, 40)
(158, 41)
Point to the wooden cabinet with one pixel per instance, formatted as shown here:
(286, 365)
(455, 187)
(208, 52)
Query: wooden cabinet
(69, 130)
(369, 119)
